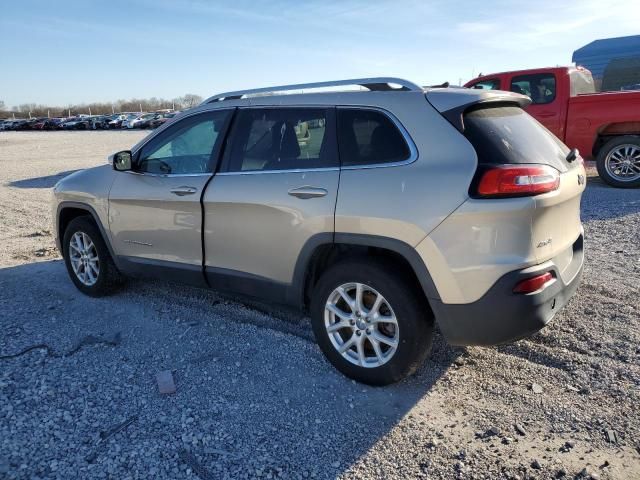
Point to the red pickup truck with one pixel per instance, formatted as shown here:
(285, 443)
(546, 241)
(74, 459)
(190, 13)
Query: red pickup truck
(602, 126)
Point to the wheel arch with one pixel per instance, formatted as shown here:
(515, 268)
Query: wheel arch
(613, 130)
(67, 211)
(323, 250)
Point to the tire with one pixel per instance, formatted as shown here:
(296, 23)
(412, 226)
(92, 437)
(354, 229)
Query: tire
(108, 278)
(413, 331)
(618, 146)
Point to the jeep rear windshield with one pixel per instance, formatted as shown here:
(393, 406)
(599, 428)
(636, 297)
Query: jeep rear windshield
(505, 134)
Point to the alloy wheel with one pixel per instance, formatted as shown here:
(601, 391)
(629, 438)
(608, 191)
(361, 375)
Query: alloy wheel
(623, 163)
(84, 259)
(361, 325)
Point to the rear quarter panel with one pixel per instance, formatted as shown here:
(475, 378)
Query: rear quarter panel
(406, 202)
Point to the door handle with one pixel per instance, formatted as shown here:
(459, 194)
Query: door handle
(307, 192)
(182, 191)
(546, 114)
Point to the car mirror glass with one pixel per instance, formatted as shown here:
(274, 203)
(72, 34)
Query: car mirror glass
(122, 161)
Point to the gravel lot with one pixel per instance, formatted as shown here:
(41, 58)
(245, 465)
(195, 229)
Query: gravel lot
(255, 397)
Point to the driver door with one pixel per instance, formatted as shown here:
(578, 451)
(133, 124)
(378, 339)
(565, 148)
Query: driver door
(155, 214)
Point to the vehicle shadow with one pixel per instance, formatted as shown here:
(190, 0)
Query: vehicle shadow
(601, 201)
(258, 391)
(41, 182)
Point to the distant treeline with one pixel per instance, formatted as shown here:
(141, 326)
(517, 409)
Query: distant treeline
(134, 105)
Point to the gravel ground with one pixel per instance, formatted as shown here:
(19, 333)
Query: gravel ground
(255, 397)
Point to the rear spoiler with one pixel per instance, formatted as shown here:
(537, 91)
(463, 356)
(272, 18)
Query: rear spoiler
(453, 103)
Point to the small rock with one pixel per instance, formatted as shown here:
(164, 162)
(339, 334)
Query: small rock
(611, 436)
(588, 474)
(571, 388)
(568, 445)
(493, 431)
(520, 429)
(561, 473)
(536, 465)
(537, 389)
(166, 385)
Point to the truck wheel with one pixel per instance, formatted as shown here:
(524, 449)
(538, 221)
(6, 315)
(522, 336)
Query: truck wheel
(618, 162)
(371, 323)
(87, 259)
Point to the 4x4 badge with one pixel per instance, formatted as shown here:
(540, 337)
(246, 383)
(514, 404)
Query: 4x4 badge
(580, 179)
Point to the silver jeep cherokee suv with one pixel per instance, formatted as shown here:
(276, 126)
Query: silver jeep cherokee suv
(377, 210)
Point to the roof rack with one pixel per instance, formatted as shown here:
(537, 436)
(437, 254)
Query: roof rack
(378, 84)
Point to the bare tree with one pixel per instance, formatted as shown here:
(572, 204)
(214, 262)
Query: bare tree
(98, 108)
(191, 100)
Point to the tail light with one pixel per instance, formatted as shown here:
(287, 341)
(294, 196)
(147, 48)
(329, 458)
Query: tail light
(517, 180)
(534, 284)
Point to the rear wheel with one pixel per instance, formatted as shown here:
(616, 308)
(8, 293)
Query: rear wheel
(370, 322)
(87, 259)
(618, 162)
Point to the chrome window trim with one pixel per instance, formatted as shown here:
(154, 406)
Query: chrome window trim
(147, 174)
(413, 150)
(290, 170)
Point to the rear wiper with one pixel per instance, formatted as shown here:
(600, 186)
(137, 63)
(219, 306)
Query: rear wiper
(572, 155)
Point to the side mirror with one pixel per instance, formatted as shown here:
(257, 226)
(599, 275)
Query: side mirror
(122, 161)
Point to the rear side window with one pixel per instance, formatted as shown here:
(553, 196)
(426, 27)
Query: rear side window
(267, 139)
(369, 137)
(540, 87)
(507, 134)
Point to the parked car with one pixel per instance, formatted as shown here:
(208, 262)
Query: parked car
(53, 123)
(124, 119)
(603, 126)
(141, 121)
(18, 124)
(145, 120)
(76, 123)
(162, 119)
(39, 124)
(408, 206)
(98, 122)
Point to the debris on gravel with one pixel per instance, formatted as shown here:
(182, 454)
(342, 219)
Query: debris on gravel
(256, 399)
(166, 384)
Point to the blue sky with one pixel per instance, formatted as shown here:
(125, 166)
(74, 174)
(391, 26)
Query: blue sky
(69, 52)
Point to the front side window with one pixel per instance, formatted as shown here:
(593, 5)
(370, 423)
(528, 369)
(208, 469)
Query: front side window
(187, 147)
(369, 137)
(489, 84)
(540, 87)
(266, 139)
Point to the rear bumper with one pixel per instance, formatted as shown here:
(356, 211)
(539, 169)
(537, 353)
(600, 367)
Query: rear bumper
(501, 316)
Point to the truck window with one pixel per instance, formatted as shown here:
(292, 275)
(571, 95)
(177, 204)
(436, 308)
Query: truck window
(488, 84)
(540, 87)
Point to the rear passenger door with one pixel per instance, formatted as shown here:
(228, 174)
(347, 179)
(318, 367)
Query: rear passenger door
(275, 190)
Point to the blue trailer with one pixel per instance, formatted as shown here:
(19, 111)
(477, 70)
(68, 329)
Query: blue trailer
(613, 62)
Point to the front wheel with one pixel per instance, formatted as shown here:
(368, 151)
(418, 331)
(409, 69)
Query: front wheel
(371, 323)
(618, 162)
(87, 259)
